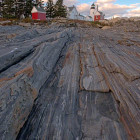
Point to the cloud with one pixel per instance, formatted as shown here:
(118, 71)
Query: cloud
(107, 6)
(71, 2)
(105, 1)
(111, 9)
(84, 8)
(134, 12)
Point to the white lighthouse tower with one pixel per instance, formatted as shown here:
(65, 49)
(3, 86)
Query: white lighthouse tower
(92, 11)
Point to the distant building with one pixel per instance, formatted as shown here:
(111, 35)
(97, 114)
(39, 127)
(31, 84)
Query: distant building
(38, 13)
(81, 17)
(95, 13)
(72, 12)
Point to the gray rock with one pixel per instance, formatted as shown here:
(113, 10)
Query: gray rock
(69, 83)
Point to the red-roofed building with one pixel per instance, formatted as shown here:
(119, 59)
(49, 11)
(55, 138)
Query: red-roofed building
(38, 13)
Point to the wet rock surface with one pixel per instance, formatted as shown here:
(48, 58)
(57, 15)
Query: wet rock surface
(69, 83)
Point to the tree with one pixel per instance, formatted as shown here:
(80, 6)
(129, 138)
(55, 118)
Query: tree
(50, 11)
(39, 3)
(28, 7)
(8, 9)
(60, 10)
(23, 7)
(19, 8)
(1, 7)
(16, 8)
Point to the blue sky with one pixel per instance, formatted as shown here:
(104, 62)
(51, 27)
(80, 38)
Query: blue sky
(127, 2)
(122, 2)
(111, 8)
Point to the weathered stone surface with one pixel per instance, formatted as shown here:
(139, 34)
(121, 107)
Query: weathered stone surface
(91, 75)
(106, 27)
(99, 117)
(24, 24)
(20, 71)
(5, 22)
(69, 83)
(57, 118)
(121, 68)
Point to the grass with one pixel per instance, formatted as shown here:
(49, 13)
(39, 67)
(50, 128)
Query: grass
(59, 20)
(97, 24)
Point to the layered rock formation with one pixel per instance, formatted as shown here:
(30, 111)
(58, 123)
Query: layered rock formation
(69, 83)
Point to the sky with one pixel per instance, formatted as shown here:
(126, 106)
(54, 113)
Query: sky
(111, 8)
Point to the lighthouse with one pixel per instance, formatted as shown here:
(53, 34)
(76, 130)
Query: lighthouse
(95, 13)
(92, 11)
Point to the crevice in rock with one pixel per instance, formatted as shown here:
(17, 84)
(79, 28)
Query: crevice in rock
(26, 130)
(17, 60)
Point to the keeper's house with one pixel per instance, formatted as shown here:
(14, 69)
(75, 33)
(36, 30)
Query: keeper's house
(38, 13)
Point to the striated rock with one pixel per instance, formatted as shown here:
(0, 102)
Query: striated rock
(11, 36)
(18, 96)
(106, 27)
(69, 83)
(91, 76)
(5, 22)
(122, 70)
(99, 117)
(24, 24)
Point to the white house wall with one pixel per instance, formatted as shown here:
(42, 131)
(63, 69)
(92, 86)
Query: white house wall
(89, 18)
(73, 14)
(81, 18)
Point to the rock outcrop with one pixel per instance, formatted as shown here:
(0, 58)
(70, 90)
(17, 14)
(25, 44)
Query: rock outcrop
(69, 83)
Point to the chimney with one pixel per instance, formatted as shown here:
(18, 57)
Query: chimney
(97, 7)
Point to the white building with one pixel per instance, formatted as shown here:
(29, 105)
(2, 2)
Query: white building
(89, 18)
(95, 14)
(81, 17)
(72, 12)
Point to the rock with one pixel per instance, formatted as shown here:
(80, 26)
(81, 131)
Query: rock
(91, 76)
(134, 19)
(99, 26)
(114, 20)
(64, 82)
(25, 24)
(5, 22)
(106, 27)
(11, 36)
(104, 22)
(21, 95)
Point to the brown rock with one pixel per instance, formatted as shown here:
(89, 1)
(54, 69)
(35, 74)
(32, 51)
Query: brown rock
(106, 27)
